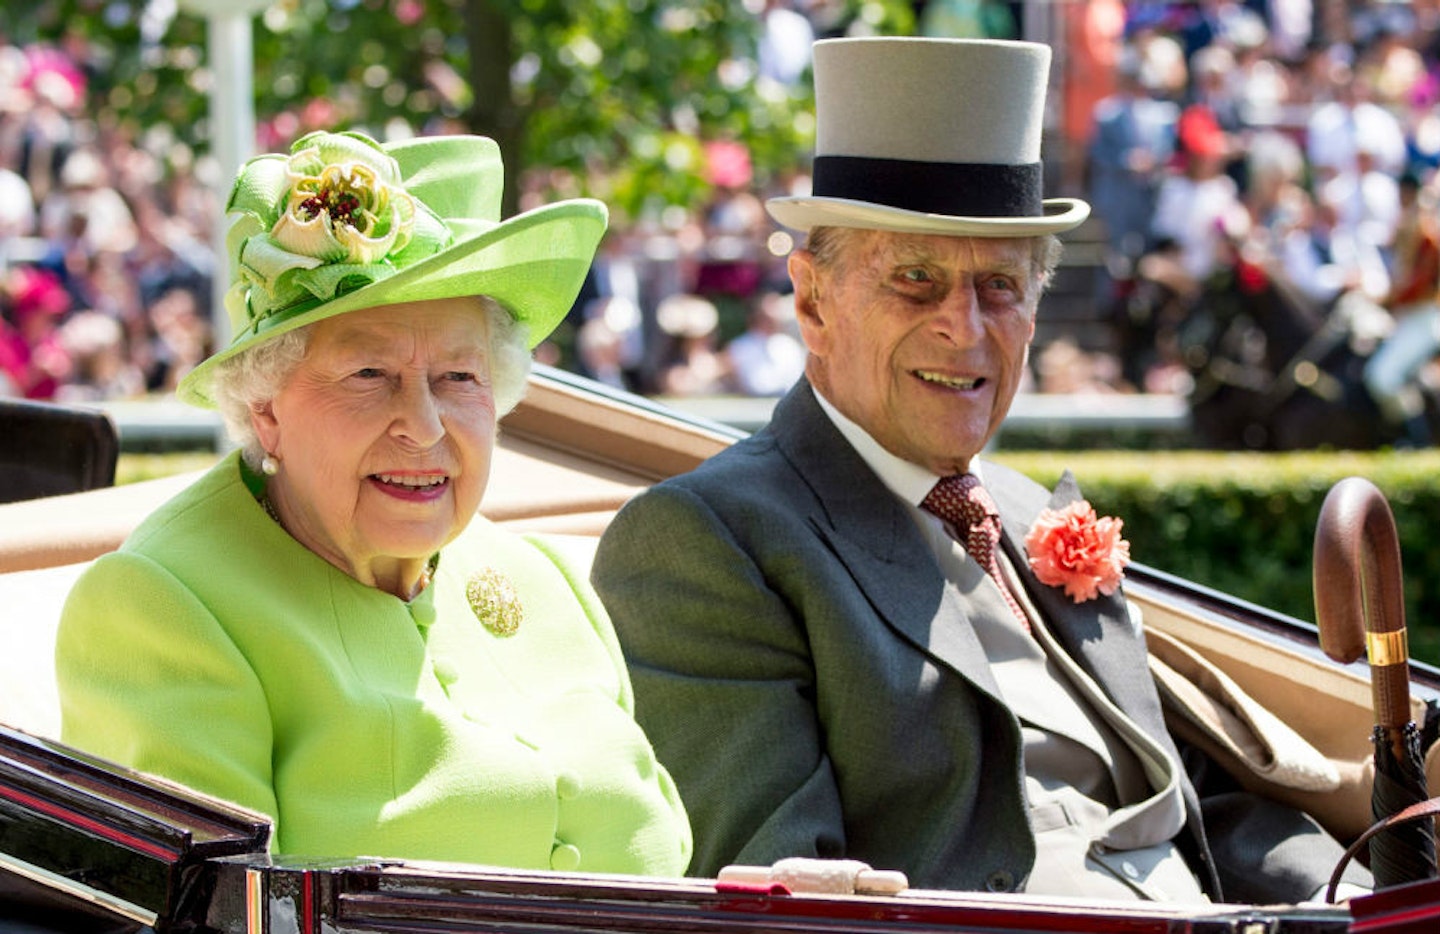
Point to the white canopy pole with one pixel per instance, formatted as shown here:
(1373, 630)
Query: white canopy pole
(232, 116)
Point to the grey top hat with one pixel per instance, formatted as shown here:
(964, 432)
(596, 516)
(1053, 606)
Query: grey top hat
(937, 136)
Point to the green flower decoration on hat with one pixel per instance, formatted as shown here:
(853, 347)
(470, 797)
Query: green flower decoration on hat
(343, 223)
(328, 218)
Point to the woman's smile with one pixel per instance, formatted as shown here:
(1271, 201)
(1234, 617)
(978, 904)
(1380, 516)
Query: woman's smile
(415, 488)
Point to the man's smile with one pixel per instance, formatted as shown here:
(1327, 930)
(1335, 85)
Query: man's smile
(951, 382)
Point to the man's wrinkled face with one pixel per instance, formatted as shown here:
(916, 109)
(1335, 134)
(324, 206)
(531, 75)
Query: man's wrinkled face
(920, 339)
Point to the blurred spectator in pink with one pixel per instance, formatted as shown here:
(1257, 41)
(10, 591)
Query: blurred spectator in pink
(1421, 122)
(52, 94)
(734, 223)
(31, 355)
(767, 357)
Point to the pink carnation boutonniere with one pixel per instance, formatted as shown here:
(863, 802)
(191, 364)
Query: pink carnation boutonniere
(1075, 549)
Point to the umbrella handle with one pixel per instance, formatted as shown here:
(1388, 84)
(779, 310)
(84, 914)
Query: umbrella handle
(1415, 812)
(1359, 594)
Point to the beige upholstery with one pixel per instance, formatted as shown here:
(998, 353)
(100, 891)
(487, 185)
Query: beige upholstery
(1328, 705)
(32, 601)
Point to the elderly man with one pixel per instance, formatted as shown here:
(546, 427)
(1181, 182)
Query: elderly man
(825, 658)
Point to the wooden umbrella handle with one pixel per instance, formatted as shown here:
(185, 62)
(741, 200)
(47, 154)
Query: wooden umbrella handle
(1359, 593)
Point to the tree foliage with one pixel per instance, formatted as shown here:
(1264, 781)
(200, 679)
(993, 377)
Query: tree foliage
(606, 97)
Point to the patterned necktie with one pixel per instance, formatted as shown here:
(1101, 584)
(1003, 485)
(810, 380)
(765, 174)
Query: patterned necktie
(961, 501)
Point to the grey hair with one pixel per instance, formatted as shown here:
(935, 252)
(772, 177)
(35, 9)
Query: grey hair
(251, 379)
(827, 244)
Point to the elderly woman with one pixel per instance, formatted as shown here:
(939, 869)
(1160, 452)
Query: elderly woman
(321, 628)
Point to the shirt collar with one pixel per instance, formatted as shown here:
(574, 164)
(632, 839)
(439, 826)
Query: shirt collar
(911, 482)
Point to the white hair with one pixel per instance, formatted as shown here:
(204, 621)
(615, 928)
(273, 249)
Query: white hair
(252, 378)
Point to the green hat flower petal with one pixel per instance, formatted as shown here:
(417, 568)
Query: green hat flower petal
(343, 223)
(336, 199)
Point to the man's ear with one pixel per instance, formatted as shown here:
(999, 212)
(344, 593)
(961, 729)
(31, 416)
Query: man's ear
(809, 311)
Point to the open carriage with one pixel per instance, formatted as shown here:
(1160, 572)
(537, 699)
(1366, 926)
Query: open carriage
(88, 846)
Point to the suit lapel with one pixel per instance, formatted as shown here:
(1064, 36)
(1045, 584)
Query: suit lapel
(871, 533)
(1097, 633)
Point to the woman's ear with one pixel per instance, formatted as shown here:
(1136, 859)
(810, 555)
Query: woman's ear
(267, 427)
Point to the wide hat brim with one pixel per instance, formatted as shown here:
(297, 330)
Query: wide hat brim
(803, 213)
(533, 264)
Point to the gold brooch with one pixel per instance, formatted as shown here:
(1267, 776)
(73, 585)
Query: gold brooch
(492, 596)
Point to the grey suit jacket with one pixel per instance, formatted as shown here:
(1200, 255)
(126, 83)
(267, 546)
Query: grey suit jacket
(809, 677)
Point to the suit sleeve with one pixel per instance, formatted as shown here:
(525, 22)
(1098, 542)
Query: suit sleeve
(148, 678)
(724, 683)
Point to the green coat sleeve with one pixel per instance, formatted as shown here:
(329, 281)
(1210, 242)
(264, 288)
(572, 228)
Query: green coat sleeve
(149, 679)
(729, 698)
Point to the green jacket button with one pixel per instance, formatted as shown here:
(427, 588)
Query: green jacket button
(565, 858)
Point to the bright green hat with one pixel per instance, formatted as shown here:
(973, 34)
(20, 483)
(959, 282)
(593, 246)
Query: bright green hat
(344, 223)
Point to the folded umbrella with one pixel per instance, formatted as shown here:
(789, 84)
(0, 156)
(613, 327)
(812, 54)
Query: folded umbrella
(1360, 608)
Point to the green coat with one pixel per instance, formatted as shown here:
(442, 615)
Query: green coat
(215, 650)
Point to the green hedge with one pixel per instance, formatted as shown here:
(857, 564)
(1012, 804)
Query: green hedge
(1244, 524)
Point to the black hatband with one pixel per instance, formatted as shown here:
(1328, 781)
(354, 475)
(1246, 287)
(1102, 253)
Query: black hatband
(959, 189)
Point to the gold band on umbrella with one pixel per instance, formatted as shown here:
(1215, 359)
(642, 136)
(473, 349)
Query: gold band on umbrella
(1387, 648)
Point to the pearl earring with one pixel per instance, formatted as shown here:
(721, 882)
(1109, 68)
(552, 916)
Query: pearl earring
(269, 466)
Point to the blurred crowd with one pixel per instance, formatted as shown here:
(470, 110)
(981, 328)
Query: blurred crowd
(105, 242)
(1294, 139)
(696, 305)
(1275, 148)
